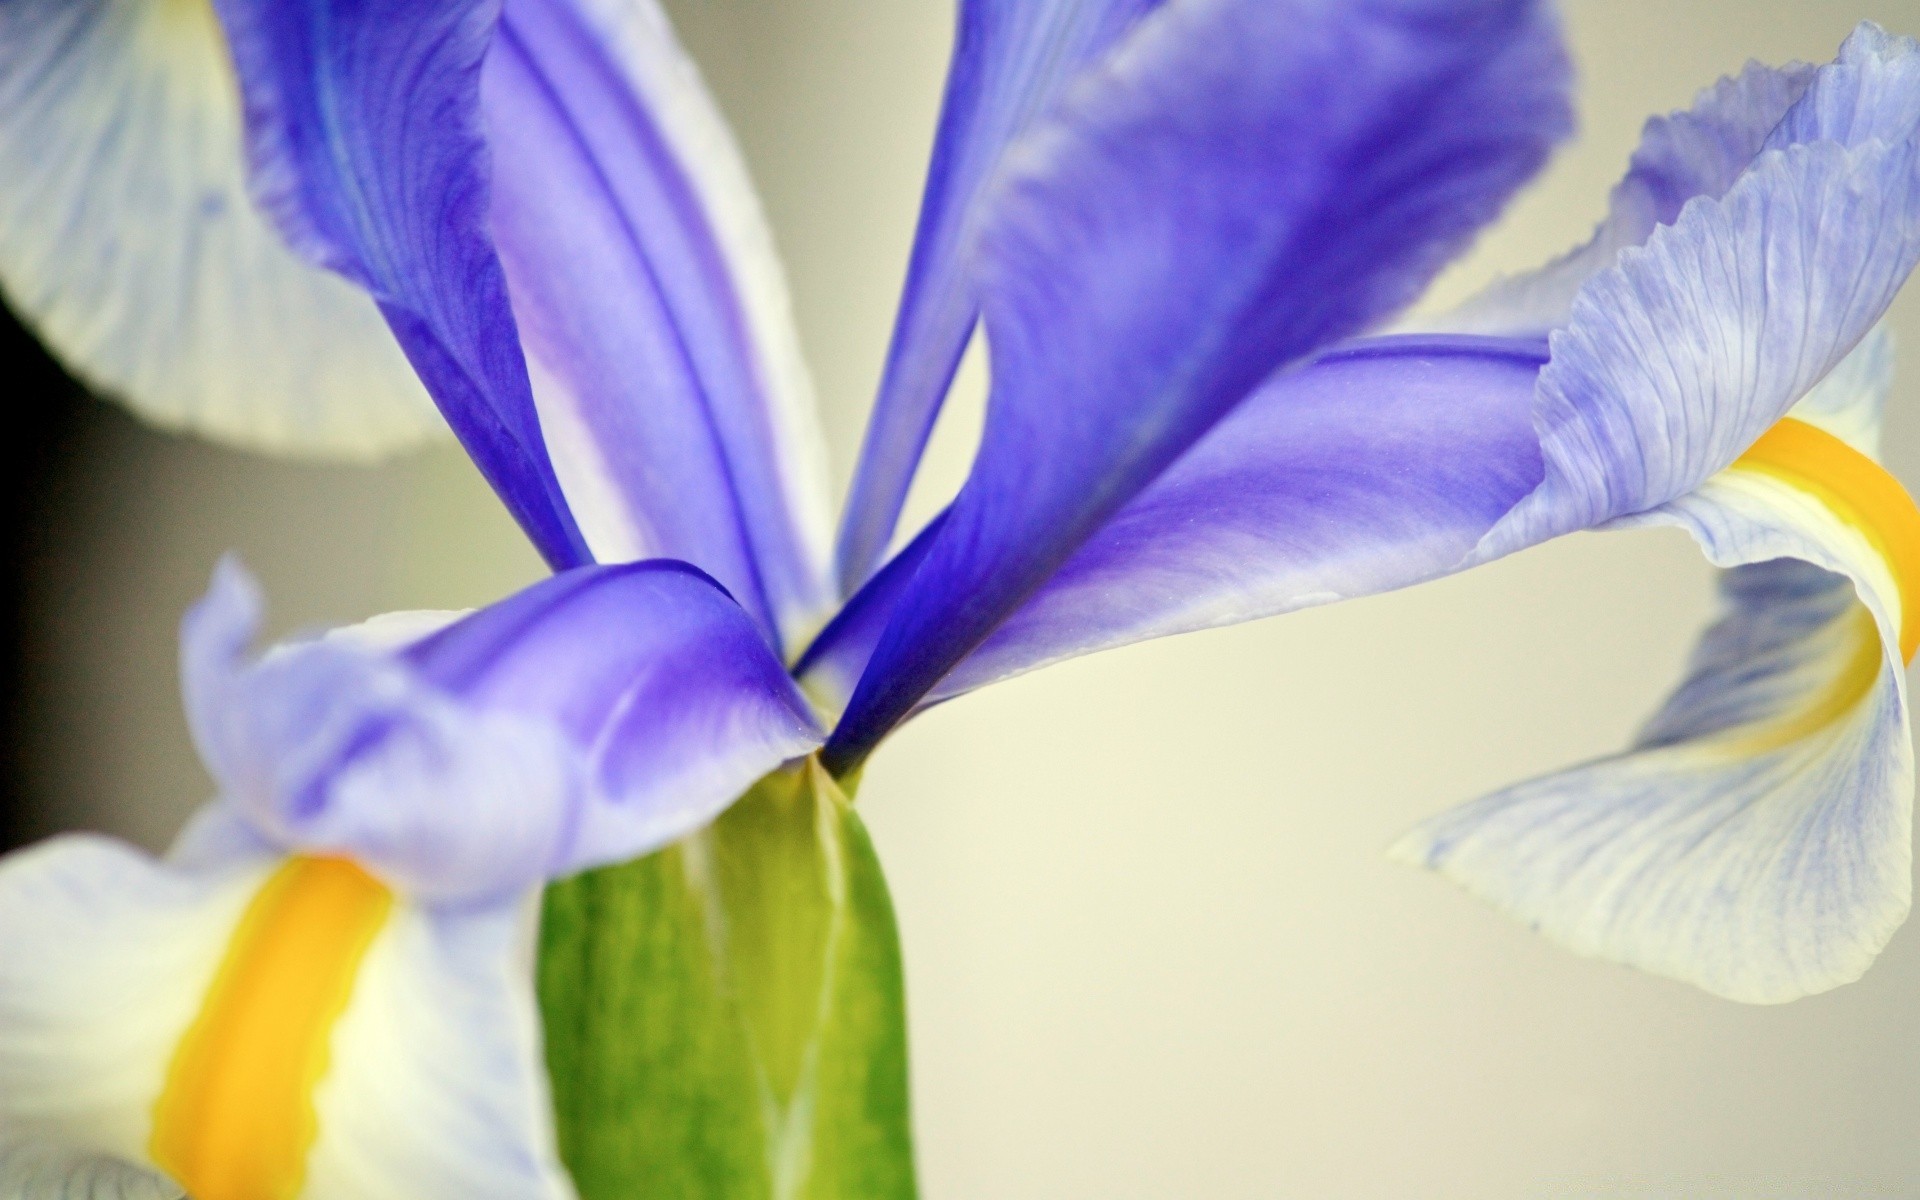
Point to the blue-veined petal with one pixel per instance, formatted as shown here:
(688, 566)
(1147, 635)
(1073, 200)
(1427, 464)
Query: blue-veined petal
(1011, 59)
(1868, 92)
(1701, 151)
(672, 395)
(111, 964)
(1685, 352)
(1756, 840)
(1379, 465)
(128, 242)
(1245, 183)
(588, 719)
(365, 138)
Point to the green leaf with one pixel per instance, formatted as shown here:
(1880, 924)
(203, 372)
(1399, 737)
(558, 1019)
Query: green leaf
(726, 1018)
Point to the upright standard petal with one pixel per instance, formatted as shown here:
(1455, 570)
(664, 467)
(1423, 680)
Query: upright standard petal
(128, 242)
(1011, 61)
(263, 1027)
(1378, 465)
(652, 308)
(1240, 185)
(593, 717)
(1756, 840)
(364, 131)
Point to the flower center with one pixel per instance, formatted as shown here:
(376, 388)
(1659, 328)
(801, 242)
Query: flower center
(1860, 493)
(236, 1118)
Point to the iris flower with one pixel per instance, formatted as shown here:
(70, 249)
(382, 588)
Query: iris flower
(1149, 208)
(1168, 221)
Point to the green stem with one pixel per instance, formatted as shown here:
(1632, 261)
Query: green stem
(726, 1018)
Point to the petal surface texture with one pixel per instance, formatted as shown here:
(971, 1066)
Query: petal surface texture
(128, 242)
(1756, 839)
(1699, 152)
(1011, 61)
(1678, 357)
(591, 718)
(652, 307)
(1378, 465)
(1240, 184)
(367, 149)
(430, 1080)
(1755, 842)
(1866, 93)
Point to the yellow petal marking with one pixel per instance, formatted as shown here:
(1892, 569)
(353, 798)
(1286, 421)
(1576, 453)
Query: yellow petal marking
(235, 1119)
(1860, 493)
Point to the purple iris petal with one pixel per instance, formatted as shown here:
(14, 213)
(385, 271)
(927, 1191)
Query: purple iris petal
(654, 673)
(364, 134)
(1251, 180)
(832, 664)
(628, 308)
(1011, 59)
(1380, 465)
(590, 718)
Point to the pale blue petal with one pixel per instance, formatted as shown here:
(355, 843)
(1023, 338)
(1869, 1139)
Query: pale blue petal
(331, 747)
(1759, 871)
(1011, 60)
(1247, 183)
(672, 396)
(591, 718)
(1868, 93)
(1851, 401)
(1701, 151)
(1692, 346)
(1756, 840)
(128, 242)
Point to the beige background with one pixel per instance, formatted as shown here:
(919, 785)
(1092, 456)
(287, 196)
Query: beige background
(1152, 947)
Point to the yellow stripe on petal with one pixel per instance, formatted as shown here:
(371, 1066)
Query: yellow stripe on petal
(1858, 491)
(236, 1119)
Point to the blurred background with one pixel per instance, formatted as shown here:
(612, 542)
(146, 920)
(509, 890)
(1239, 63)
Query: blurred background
(1152, 946)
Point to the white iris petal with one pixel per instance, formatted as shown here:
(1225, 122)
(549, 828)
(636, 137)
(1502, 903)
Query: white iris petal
(128, 241)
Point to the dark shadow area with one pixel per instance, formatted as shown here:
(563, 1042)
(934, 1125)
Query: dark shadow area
(49, 409)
